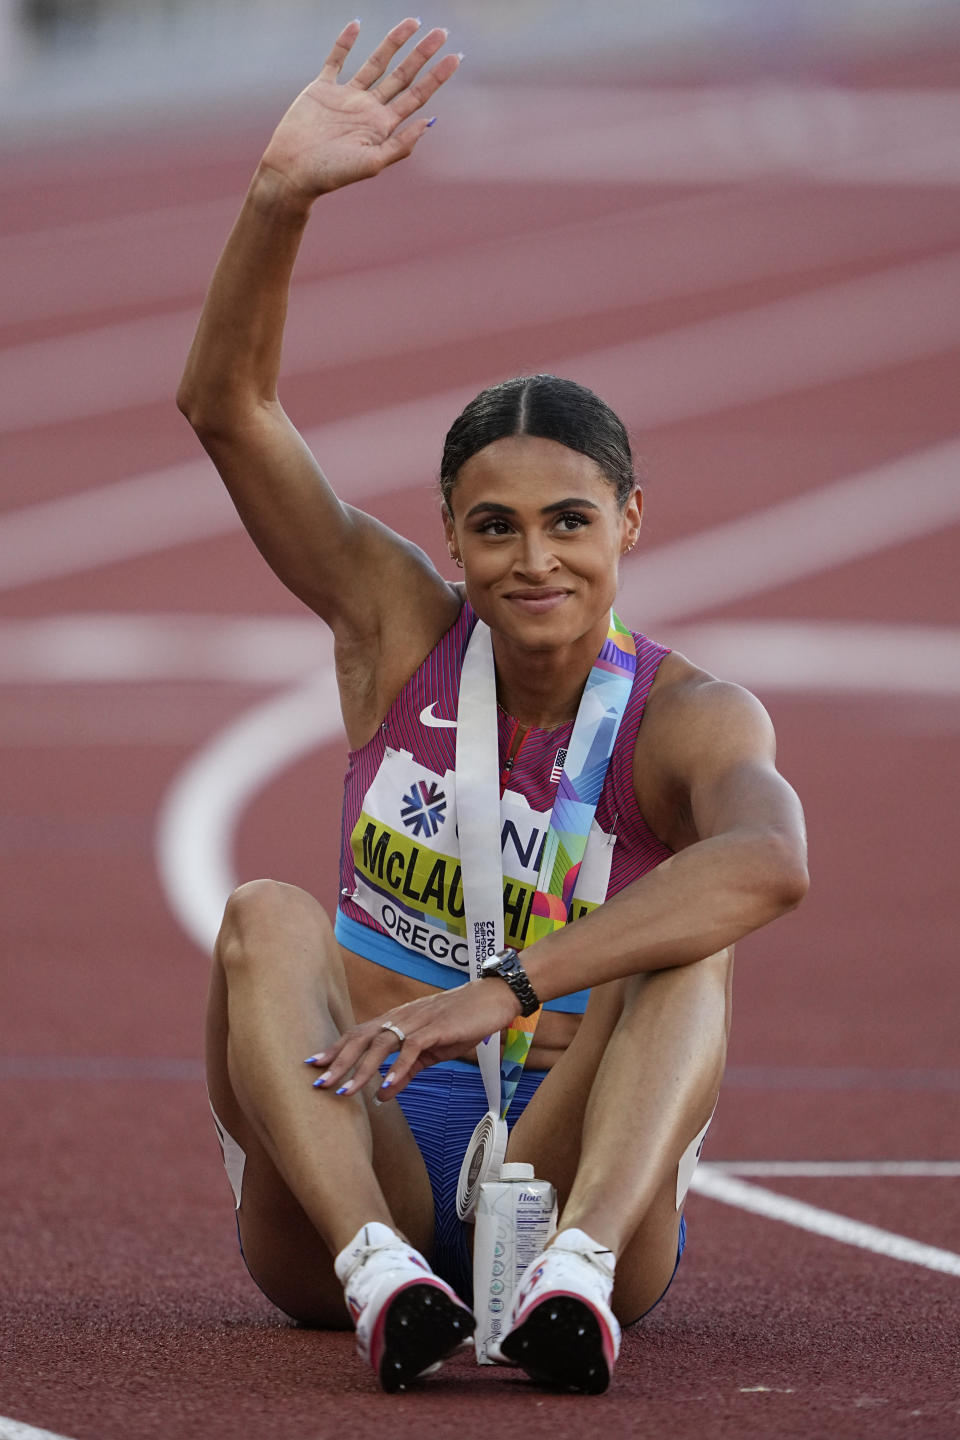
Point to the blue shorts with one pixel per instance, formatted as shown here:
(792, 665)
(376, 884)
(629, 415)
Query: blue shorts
(442, 1106)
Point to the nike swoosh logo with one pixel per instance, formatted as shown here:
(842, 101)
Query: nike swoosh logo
(427, 717)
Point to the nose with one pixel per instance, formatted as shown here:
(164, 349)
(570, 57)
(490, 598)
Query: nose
(536, 558)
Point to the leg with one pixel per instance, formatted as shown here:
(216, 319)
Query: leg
(317, 1167)
(637, 1084)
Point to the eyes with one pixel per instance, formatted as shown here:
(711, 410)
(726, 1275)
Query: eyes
(565, 522)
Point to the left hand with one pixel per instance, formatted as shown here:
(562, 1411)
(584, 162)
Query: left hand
(334, 134)
(438, 1027)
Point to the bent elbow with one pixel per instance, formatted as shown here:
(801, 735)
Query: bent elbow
(787, 875)
(185, 402)
(793, 887)
(209, 417)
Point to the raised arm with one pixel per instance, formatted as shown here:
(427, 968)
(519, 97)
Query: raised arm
(355, 573)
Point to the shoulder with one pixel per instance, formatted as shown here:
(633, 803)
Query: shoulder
(696, 727)
(689, 705)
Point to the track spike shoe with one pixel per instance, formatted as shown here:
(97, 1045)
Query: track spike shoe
(561, 1329)
(407, 1319)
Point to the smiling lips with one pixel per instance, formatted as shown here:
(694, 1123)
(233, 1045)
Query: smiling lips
(536, 601)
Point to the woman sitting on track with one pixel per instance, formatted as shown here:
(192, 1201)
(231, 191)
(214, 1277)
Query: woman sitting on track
(696, 839)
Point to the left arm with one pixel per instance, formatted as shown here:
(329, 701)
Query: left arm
(705, 774)
(737, 829)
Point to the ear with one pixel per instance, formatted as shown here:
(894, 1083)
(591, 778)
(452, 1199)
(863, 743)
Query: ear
(449, 533)
(632, 518)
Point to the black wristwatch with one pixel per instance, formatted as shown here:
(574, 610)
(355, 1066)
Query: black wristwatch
(506, 965)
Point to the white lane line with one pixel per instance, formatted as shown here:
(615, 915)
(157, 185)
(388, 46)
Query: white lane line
(828, 334)
(899, 313)
(726, 1188)
(691, 244)
(105, 649)
(200, 811)
(783, 655)
(716, 134)
(116, 522)
(837, 523)
(16, 1430)
(152, 256)
(826, 656)
(838, 1169)
(477, 289)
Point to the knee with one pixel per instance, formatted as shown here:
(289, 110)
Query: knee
(272, 911)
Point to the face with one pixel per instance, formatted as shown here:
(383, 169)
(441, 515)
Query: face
(540, 534)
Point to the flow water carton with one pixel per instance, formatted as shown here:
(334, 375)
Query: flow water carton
(516, 1216)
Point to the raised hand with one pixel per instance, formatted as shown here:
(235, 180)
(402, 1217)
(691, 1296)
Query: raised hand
(334, 133)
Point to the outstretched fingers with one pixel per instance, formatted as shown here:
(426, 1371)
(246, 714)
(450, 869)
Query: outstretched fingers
(410, 66)
(419, 90)
(342, 46)
(371, 70)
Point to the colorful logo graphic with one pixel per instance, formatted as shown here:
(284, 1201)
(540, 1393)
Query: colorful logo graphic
(423, 808)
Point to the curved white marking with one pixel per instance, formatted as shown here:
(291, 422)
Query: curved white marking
(200, 811)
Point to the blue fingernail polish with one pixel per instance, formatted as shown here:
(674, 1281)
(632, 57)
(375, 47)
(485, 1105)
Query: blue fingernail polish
(343, 1089)
(431, 122)
(318, 1083)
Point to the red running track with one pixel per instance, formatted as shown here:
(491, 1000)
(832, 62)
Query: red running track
(789, 307)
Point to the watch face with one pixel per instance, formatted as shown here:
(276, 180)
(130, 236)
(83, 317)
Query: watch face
(500, 964)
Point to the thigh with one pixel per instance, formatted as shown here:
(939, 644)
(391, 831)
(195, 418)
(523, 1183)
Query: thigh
(281, 1248)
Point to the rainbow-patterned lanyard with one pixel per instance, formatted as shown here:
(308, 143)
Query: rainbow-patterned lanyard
(595, 729)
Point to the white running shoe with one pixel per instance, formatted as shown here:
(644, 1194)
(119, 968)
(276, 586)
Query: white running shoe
(561, 1329)
(407, 1319)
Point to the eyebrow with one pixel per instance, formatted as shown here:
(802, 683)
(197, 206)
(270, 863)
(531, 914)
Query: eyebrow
(495, 508)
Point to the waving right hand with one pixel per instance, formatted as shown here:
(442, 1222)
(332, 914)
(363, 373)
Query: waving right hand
(334, 134)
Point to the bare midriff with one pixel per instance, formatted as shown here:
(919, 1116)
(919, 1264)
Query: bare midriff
(374, 990)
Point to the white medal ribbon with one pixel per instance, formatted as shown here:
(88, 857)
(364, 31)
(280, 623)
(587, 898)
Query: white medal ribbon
(478, 823)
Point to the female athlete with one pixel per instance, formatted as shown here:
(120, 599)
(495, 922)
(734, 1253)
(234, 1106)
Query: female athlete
(694, 841)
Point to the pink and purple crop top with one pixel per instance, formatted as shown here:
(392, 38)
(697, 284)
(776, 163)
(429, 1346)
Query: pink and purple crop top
(401, 897)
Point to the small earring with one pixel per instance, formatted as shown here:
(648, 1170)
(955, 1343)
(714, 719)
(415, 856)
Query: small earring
(629, 547)
(458, 560)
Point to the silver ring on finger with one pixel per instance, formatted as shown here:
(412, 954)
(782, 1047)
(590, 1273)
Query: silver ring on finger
(389, 1025)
